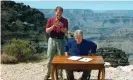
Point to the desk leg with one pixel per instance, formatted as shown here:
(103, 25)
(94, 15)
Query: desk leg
(54, 73)
(103, 73)
(99, 74)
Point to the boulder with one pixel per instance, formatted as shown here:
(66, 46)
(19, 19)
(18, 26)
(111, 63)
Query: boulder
(114, 56)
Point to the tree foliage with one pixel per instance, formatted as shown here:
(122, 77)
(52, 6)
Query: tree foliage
(21, 22)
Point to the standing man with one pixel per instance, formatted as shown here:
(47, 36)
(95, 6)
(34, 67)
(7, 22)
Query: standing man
(56, 28)
(79, 47)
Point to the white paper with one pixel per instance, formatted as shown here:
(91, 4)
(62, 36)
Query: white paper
(85, 59)
(74, 57)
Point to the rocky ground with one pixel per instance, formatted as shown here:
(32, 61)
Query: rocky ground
(37, 71)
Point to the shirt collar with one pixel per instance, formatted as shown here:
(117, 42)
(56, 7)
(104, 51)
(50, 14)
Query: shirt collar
(80, 43)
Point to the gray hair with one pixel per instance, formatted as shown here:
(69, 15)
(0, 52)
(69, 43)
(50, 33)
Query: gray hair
(78, 32)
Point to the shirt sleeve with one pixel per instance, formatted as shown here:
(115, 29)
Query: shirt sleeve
(66, 47)
(94, 48)
(48, 23)
(66, 24)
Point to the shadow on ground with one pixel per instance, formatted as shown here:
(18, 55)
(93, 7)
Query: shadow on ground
(90, 79)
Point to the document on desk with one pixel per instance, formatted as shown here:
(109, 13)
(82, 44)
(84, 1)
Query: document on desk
(86, 59)
(74, 58)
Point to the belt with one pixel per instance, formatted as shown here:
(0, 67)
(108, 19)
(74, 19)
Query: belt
(57, 37)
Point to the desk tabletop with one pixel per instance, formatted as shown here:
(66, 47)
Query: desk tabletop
(65, 60)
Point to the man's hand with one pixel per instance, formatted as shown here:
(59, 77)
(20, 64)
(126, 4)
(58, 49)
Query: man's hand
(91, 54)
(58, 25)
(66, 54)
(64, 30)
(50, 29)
(61, 24)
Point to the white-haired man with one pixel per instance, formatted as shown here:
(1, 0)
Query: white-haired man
(79, 47)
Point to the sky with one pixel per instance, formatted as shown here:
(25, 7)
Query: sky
(94, 5)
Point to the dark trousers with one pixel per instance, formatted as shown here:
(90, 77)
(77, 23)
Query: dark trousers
(85, 75)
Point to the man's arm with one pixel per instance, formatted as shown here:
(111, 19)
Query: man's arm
(66, 49)
(94, 48)
(65, 30)
(48, 30)
(49, 27)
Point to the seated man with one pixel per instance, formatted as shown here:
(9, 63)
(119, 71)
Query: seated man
(79, 47)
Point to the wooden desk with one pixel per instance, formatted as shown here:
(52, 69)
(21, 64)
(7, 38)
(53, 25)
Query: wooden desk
(61, 62)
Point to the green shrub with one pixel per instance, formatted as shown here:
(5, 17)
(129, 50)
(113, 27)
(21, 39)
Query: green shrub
(19, 49)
